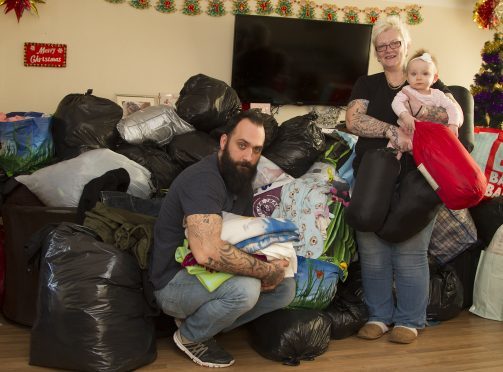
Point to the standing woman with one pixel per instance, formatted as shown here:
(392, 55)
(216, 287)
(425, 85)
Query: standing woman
(369, 115)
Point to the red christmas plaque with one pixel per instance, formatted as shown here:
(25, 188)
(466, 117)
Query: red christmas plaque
(44, 55)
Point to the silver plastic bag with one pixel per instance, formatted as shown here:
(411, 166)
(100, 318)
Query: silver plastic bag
(155, 123)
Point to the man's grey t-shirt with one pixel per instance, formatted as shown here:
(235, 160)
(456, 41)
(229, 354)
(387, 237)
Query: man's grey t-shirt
(199, 189)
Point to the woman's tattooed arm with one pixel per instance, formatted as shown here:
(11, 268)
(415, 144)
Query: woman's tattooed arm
(359, 123)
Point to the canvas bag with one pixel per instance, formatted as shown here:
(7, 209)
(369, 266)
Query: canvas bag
(488, 153)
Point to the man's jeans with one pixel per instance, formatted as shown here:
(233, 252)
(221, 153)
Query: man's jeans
(405, 264)
(235, 302)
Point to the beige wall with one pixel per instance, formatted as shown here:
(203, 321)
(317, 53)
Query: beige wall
(118, 49)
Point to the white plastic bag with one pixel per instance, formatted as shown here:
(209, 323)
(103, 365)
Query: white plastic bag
(488, 287)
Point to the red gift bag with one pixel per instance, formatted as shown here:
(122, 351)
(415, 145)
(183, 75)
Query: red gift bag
(447, 166)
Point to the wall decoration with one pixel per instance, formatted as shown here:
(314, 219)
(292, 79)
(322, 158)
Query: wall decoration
(351, 14)
(488, 14)
(44, 55)
(371, 15)
(305, 9)
(264, 7)
(140, 4)
(19, 6)
(413, 14)
(216, 8)
(165, 6)
(284, 8)
(240, 7)
(191, 7)
(329, 12)
(132, 103)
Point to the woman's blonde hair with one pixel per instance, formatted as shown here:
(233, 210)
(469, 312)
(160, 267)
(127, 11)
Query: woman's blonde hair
(391, 22)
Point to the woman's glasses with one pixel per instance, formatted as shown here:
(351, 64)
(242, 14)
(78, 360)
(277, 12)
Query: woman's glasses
(393, 45)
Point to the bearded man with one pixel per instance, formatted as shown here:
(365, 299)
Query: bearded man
(193, 209)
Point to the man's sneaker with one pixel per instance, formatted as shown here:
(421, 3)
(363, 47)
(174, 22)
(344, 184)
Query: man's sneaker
(207, 353)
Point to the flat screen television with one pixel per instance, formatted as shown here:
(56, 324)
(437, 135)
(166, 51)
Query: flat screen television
(286, 61)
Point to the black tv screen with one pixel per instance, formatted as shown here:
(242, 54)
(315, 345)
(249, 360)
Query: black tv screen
(295, 61)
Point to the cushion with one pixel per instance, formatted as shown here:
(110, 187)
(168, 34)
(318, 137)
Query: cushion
(61, 184)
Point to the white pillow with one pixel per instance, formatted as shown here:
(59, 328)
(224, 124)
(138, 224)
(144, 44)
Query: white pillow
(61, 184)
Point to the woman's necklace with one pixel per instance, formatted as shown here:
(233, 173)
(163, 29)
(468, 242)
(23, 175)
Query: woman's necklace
(395, 87)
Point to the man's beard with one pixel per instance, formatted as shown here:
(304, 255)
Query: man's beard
(238, 176)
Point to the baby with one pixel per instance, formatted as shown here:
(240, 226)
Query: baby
(421, 75)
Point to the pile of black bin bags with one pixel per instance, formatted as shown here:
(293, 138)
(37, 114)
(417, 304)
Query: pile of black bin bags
(93, 314)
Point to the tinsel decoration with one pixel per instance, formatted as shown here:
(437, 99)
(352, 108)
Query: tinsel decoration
(264, 7)
(488, 88)
(140, 4)
(306, 10)
(284, 8)
(413, 14)
(240, 7)
(351, 14)
(191, 7)
(371, 15)
(216, 8)
(392, 10)
(329, 12)
(485, 14)
(19, 6)
(165, 6)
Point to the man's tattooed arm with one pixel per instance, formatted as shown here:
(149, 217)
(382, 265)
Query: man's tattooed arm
(210, 251)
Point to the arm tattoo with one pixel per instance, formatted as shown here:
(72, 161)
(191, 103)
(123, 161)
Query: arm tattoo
(234, 261)
(205, 229)
(362, 124)
(434, 114)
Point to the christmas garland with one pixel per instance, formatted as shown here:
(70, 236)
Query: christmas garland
(305, 9)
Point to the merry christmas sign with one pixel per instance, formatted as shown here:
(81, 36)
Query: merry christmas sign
(44, 55)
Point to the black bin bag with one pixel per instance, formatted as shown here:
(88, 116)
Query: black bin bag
(297, 145)
(188, 148)
(348, 310)
(446, 293)
(207, 103)
(291, 335)
(373, 190)
(413, 206)
(91, 312)
(84, 122)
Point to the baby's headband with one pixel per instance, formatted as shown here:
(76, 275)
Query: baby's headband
(424, 57)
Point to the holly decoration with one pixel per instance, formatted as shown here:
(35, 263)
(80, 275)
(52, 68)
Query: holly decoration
(140, 4)
(19, 6)
(371, 15)
(115, 1)
(165, 6)
(216, 8)
(284, 8)
(264, 7)
(392, 11)
(485, 14)
(413, 15)
(306, 10)
(191, 7)
(488, 88)
(351, 14)
(329, 12)
(240, 7)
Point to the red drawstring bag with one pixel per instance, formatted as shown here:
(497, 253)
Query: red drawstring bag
(447, 166)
